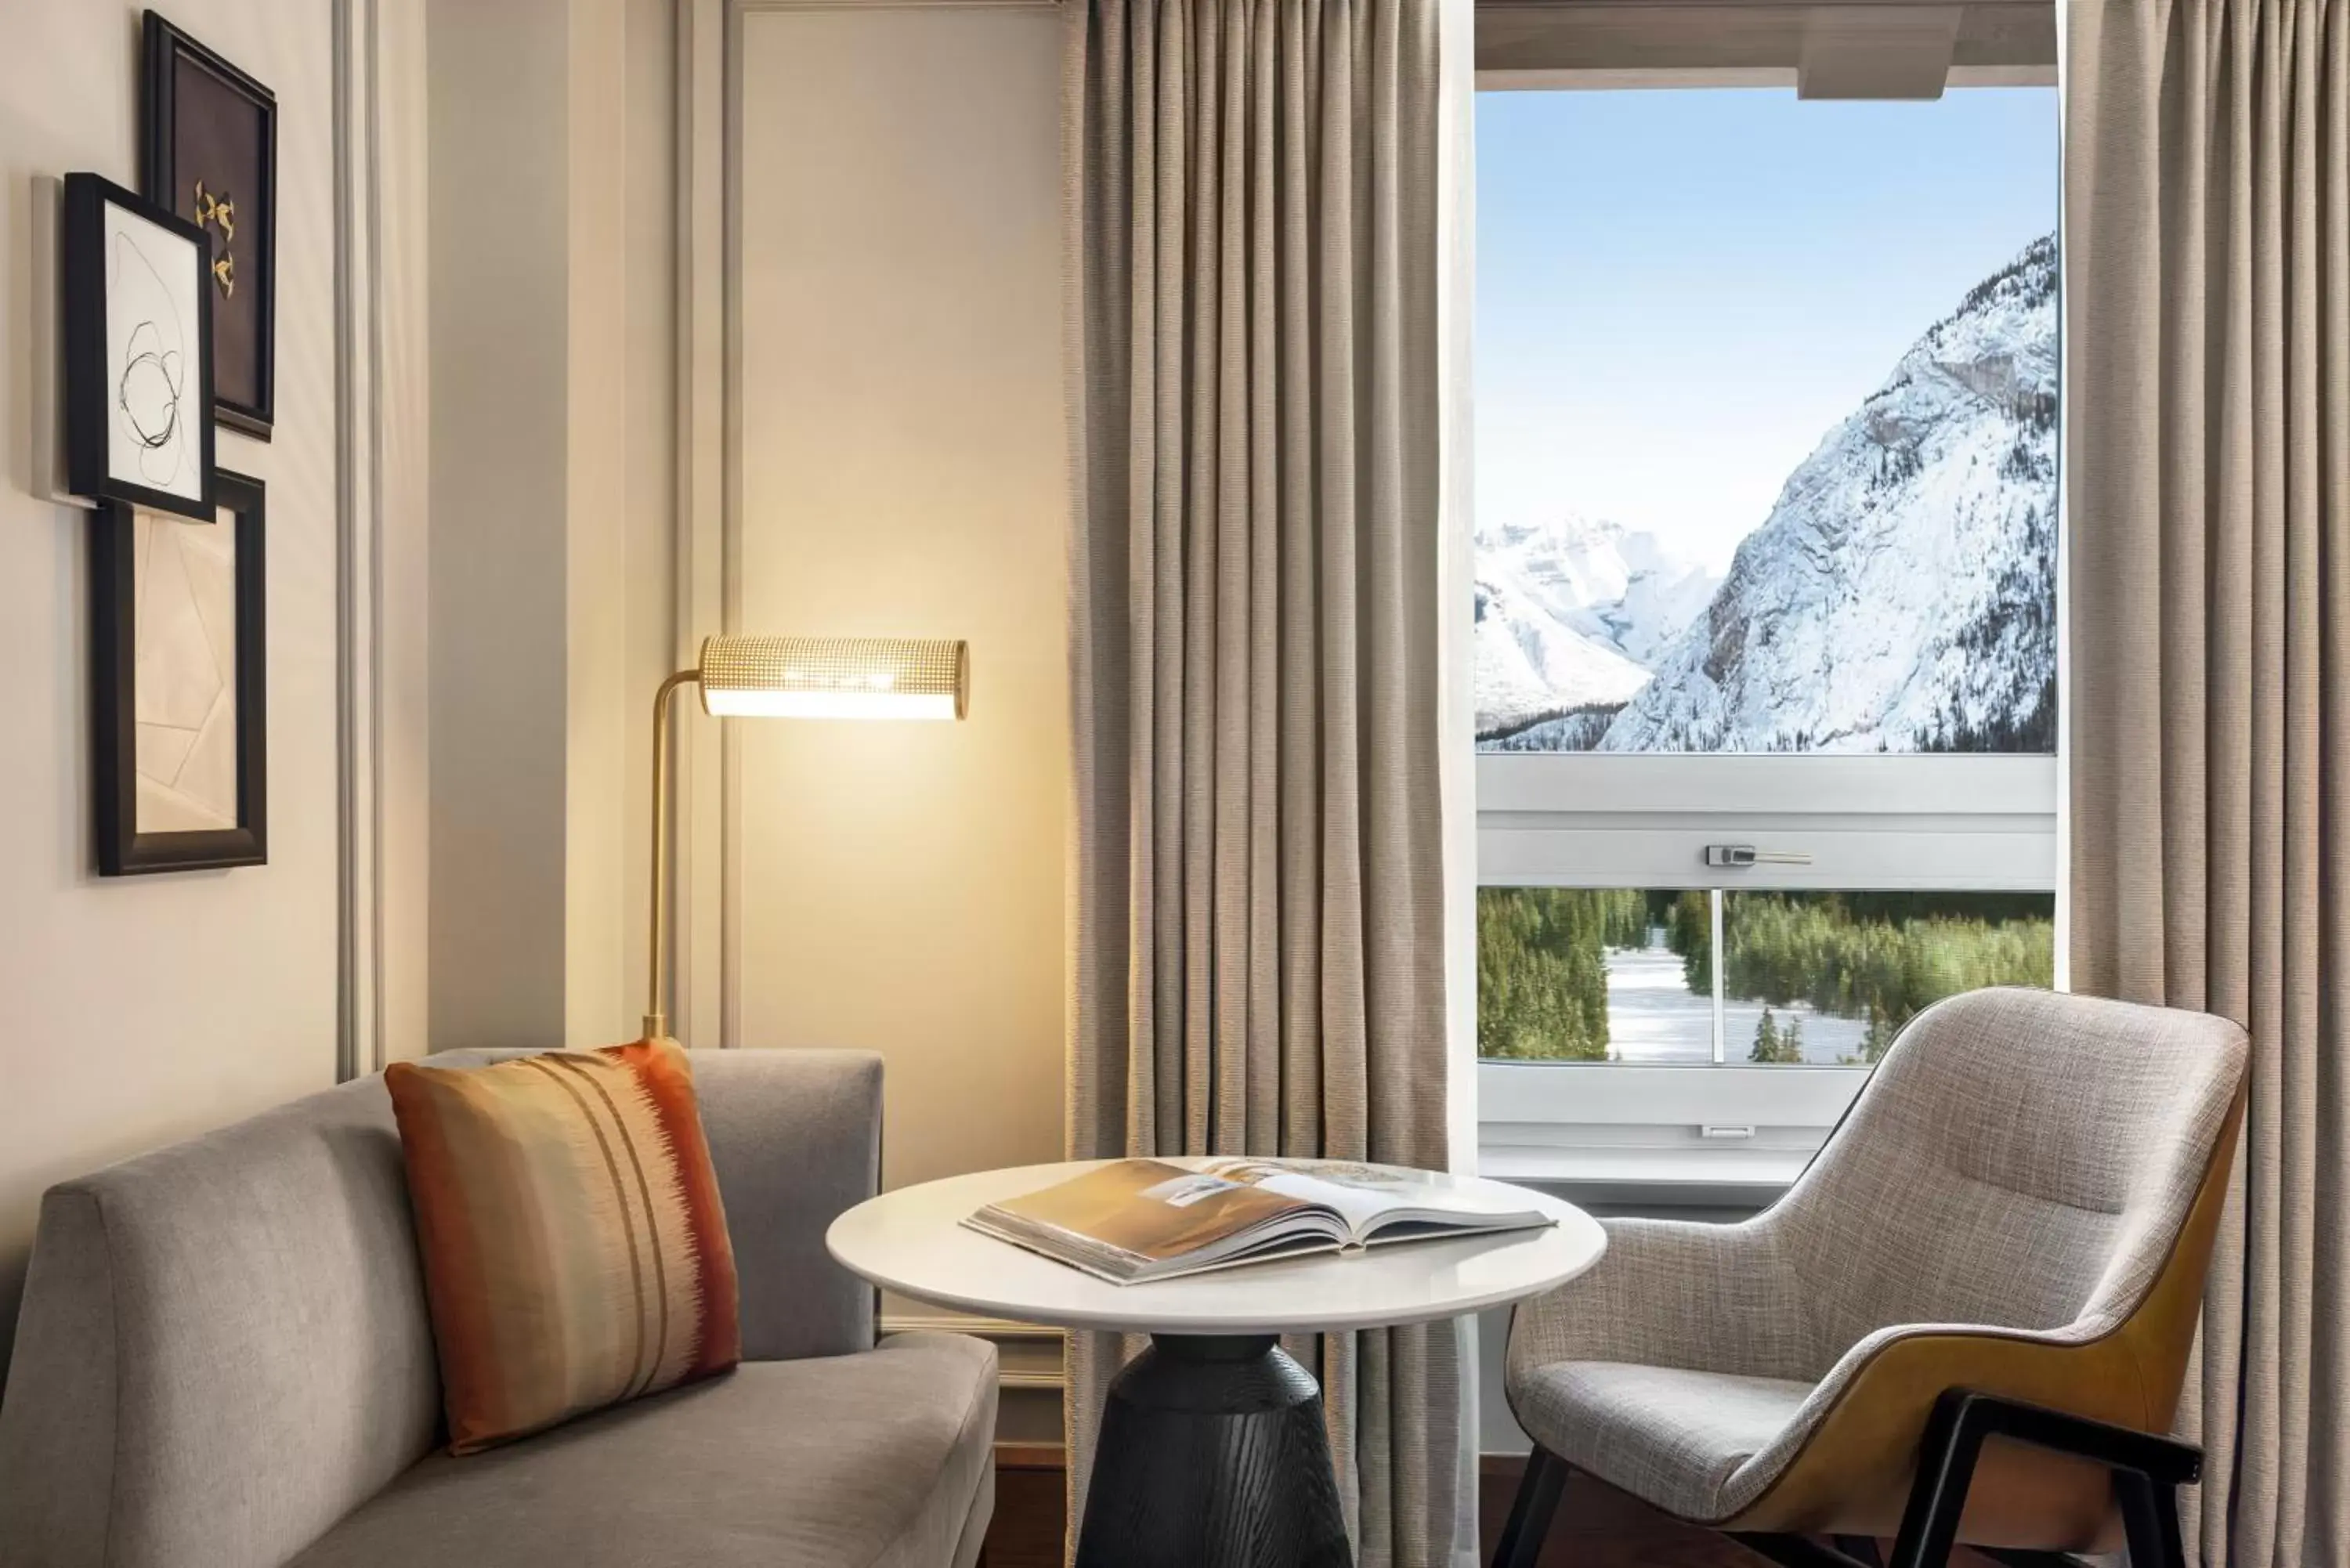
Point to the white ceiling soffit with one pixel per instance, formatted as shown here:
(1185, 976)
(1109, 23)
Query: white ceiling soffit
(1825, 48)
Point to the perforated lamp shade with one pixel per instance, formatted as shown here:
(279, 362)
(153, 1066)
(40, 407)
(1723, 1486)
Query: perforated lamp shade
(834, 677)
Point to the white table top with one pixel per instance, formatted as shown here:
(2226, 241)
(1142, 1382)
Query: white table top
(912, 1241)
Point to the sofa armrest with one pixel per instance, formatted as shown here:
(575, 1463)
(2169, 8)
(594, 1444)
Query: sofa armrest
(796, 1136)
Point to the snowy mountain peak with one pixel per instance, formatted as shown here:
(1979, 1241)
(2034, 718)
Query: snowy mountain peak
(1571, 612)
(1898, 597)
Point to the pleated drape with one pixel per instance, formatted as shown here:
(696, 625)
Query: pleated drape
(2207, 275)
(1257, 933)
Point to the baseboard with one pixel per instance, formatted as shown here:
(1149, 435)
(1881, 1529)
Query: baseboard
(1032, 1457)
(1055, 1457)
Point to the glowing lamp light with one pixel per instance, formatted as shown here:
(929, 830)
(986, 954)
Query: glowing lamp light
(794, 678)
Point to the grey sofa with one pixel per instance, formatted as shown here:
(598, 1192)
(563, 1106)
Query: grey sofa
(223, 1360)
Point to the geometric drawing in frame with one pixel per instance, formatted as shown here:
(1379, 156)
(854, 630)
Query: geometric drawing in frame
(137, 346)
(180, 718)
(210, 155)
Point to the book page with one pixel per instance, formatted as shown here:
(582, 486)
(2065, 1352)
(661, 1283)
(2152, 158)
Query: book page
(1358, 1193)
(1361, 1193)
(1152, 1209)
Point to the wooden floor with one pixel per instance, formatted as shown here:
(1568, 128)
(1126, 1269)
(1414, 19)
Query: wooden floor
(1026, 1531)
(1597, 1526)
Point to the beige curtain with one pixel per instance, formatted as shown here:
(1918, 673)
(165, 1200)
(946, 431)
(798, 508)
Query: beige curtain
(1256, 946)
(2208, 284)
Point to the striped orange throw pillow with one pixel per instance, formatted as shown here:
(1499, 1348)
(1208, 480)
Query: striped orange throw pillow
(574, 1250)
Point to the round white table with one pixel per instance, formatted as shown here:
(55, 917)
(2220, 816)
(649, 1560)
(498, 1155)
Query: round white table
(1212, 1452)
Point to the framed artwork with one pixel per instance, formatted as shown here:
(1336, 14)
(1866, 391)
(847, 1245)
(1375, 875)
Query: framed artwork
(210, 156)
(138, 354)
(180, 716)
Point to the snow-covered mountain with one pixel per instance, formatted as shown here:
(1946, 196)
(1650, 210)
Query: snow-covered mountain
(1572, 614)
(1898, 597)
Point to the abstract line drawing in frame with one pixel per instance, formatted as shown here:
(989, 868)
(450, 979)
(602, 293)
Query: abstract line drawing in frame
(177, 682)
(137, 352)
(210, 155)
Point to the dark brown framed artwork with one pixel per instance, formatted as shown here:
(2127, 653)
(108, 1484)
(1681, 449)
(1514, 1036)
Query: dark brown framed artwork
(137, 349)
(210, 155)
(179, 700)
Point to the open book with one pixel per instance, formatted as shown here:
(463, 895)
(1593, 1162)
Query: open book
(1146, 1219)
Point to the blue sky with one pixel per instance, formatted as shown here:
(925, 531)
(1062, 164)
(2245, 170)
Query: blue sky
(1678, 293)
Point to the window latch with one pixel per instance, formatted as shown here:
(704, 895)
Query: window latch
(1739, 856)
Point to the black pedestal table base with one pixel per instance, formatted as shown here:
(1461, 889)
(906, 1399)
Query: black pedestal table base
(1213, 1455)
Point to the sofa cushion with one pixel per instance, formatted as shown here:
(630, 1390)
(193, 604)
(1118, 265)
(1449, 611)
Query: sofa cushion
(576, 1252)
(876, 1458)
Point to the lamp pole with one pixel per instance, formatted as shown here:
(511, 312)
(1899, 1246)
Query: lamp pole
(657, 970)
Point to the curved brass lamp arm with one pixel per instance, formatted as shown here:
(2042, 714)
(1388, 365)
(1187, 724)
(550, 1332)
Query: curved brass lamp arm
(657, 970)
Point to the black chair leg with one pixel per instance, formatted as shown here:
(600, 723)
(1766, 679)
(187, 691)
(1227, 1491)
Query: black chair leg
(1945, 1467)
(1861, 1549)
(2150, 1521)
(1530, 1515)
(2147, 1470)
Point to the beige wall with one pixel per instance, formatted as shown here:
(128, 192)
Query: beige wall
(500, 333)
(899, 889)
(551, 622)
(901, 471)
(141, 1009)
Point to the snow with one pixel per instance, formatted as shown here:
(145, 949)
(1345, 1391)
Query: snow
(1653, 1016)
(1899, 595)
(1572, 615)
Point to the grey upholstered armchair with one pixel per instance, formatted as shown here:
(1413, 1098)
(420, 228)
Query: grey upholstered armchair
(1963, 1320)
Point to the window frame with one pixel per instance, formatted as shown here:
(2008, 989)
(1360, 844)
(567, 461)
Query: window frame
(1935, 821)
(1916, 822)
(1904, 823)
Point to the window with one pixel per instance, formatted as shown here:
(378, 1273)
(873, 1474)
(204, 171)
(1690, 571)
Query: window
(1807, 979)
(1765, 623)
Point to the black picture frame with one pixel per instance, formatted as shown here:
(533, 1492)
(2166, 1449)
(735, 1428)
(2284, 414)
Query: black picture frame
(94, 391)
(122, 849)
(209, 123)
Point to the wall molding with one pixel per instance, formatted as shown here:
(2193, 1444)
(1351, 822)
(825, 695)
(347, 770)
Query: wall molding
(1028, 1355)
(953, 1323)
(704, 536)
(382, 453)
(359, 537)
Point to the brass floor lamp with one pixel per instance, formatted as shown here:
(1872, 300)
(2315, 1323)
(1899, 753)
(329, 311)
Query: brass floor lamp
(794, 678)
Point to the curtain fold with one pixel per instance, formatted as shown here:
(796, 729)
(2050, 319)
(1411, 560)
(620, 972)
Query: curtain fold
(1257, 953)
(2208, 290)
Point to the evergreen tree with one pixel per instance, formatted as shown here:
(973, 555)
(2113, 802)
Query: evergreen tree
(1689, 931)
(1542, 970)
(1542, 959)
(1878, 1039)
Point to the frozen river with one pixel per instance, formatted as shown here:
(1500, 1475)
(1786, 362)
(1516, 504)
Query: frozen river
(1652, 1016)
